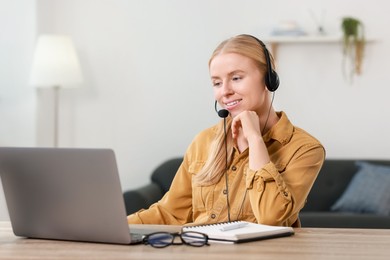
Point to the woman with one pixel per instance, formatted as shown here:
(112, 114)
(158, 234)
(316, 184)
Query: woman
(263, 168)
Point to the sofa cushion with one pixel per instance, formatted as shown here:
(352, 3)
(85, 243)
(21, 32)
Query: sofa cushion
(332, 181)
(368, 191)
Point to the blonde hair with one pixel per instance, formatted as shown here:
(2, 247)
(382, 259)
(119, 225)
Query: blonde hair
(219, 157)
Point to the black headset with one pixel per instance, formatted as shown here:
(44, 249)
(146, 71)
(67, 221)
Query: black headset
(272, 79)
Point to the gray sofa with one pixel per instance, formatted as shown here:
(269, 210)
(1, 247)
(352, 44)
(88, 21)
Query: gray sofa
(333, 180)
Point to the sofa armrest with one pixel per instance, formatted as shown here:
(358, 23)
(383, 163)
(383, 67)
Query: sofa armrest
(142, 197)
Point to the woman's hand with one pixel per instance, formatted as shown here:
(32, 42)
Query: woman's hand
(248, 123)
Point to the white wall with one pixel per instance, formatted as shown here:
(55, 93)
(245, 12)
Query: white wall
(17, 100)
(147, 90)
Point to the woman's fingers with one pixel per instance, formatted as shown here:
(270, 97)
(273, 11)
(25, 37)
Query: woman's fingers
(248, 121)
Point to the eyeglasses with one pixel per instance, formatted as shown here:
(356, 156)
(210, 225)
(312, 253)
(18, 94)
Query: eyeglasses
(164, 239)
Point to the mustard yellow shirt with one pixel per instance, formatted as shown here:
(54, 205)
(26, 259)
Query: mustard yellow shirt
(272, 195)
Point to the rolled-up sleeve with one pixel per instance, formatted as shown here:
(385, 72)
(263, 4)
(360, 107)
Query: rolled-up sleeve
(278, 192)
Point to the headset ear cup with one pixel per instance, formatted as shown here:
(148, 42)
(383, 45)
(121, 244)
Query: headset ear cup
(272, 82)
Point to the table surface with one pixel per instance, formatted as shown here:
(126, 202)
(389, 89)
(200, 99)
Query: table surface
(307, 243)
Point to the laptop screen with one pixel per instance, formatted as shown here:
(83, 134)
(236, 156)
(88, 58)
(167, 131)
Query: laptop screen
(64, 193)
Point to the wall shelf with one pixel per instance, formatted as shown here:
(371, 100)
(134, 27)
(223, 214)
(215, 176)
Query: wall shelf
(303, 39)
(275, 41)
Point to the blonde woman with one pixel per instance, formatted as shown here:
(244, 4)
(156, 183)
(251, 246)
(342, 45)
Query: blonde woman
(261, 170)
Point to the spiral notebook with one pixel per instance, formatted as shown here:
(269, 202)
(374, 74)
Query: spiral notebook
(240, 231)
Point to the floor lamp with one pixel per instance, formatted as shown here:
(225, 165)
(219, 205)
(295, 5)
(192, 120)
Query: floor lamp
(56, 66)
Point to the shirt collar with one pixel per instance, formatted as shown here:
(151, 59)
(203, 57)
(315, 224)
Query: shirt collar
(282, 131)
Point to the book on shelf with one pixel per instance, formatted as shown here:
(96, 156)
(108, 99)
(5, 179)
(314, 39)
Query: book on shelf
(240, 231)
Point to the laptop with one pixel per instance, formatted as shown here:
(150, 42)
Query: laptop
(65, 194)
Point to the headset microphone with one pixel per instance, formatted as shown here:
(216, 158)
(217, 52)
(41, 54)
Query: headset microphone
(223, 113)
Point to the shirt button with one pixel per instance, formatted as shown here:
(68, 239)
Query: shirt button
(224, 191)
(213, 216)
(234, 168)
(285, 193)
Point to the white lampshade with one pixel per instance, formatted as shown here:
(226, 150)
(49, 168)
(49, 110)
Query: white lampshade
(55, 63)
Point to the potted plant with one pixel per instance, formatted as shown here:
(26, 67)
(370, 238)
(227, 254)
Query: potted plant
(353, 45)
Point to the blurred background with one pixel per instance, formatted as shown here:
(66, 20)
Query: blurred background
(146, 90)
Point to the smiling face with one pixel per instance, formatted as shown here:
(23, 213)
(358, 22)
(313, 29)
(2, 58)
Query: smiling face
(238, 83)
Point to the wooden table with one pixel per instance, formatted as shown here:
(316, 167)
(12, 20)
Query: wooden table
(307, 243)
